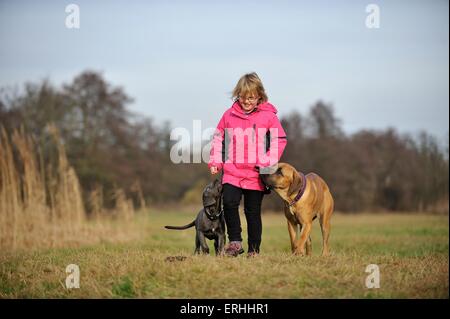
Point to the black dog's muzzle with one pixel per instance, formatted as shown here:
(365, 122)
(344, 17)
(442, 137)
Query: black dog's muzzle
(213, 211)
(213, 216)
(213, 208)
(212, 202)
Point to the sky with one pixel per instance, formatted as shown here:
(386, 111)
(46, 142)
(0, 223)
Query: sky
(180, 60)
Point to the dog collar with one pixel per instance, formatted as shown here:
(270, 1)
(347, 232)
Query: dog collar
(300, 192)
(210, 217)
(219, 206)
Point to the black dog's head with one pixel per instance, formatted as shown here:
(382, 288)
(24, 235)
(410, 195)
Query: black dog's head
(211, 199)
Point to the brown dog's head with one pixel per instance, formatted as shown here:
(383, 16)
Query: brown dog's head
(284, 179)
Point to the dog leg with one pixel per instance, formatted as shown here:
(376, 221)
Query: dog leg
(203, 244)
(219, 244)
(325, 223)
(306, 229)
(292, 228)
(197, 244)
(216, 246)
(325, 227)
(309, 246)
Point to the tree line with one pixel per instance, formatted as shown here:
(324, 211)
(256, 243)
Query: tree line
(111, 147)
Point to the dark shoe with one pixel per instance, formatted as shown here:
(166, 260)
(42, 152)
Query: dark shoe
(252, 254)
(234, 249)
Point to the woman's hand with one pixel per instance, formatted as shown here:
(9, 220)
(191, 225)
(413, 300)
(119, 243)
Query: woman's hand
(214, 170)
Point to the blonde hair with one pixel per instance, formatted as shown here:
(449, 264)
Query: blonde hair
(250, 83)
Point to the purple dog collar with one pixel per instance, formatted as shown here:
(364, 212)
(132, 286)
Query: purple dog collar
(300, 192)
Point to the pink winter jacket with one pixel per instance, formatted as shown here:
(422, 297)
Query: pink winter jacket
(241, 142)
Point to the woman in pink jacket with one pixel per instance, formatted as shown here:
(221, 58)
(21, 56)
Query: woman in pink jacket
(249, 137)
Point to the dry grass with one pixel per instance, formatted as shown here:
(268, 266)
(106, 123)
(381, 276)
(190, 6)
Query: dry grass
(411, 251)
(42, 206)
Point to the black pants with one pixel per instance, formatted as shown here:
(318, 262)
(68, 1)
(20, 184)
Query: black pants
(252, 209)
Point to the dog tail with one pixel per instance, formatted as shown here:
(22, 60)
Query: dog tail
(182, 227)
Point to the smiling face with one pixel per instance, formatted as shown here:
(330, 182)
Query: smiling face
(249, 102)
(249, 91)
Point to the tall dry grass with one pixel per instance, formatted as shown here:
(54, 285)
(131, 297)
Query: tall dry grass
(42, 205)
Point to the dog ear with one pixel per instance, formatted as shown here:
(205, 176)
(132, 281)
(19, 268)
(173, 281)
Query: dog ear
(296, 183)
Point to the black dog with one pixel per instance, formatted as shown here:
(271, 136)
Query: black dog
(210, 222)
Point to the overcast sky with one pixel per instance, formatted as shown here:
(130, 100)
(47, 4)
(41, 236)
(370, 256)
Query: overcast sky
(180, 60)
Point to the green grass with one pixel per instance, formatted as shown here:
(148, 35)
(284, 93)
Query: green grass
(410, 250)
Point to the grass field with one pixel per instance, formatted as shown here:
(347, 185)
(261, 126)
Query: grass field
(411, 251)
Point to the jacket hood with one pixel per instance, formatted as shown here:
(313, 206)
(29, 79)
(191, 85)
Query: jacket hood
(265, 106)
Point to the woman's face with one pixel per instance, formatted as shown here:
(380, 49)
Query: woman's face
(249, 102)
